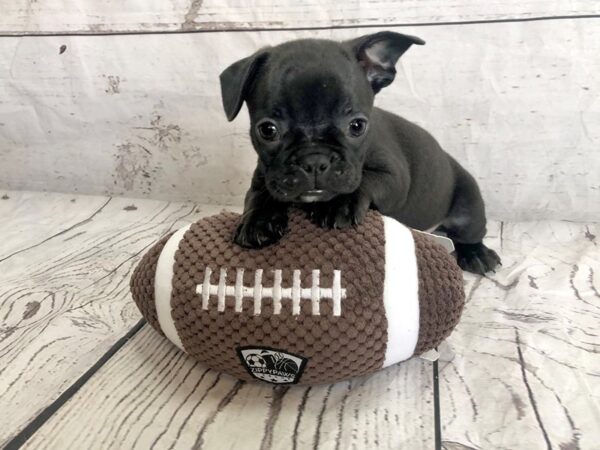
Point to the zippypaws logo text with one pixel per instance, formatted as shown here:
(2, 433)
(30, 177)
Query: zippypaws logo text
(272, 365)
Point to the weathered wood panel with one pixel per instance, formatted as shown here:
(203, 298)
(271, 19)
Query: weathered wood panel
(27, 229)
(64, 293)
(88, 16)
(150, 395)
(516, 103)
(527, 348)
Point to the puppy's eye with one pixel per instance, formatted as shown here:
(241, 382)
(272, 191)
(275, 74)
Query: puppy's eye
(268, 131)
(357, 127)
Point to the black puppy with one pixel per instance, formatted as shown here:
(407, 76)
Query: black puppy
(322, 144)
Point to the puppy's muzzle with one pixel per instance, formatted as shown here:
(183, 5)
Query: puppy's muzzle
(311, 174)
(310, 177)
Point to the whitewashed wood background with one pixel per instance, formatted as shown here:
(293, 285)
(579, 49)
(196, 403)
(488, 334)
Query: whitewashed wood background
(140, 114)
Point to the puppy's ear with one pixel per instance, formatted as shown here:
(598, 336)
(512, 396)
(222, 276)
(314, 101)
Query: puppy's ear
(378, 54)
(236, 81)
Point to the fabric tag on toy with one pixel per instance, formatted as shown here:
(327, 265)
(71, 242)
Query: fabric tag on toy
(446, 352)
(430, 355)
(442, 240)
(442, 353)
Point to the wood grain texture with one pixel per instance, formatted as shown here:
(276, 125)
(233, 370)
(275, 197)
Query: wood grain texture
(88, 16)
(152, 396)
(64, 290)
(527, 365)
(50, 219)
(524, 373)
(516, 103)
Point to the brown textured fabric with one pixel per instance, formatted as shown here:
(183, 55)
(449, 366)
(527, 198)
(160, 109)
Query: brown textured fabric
(441, 292)
(336, 347)
(142, 283)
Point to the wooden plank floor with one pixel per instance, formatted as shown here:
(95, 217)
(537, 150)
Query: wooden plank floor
(150, 395)
(525, 374)
(527, 371)
(64, 292)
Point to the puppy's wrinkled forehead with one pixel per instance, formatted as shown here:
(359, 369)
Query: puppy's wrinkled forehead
(311, 81)
(311, 94)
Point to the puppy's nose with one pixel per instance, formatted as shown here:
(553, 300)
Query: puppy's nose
(316, 163)
(290, 181)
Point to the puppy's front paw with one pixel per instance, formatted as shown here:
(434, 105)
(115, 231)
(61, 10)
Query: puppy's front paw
(341, 212)
(260, 231)
(476, 258)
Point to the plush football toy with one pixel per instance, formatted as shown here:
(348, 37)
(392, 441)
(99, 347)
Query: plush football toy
(317, 307)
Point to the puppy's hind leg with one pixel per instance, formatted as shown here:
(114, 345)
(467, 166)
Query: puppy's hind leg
(465, 225)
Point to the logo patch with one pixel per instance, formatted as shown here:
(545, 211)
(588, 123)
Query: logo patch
(272, 365)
